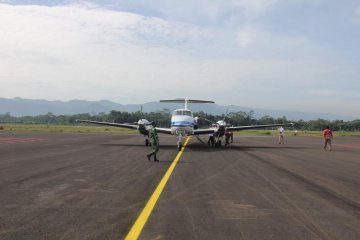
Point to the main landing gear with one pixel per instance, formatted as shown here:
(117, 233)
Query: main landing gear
(218, 142)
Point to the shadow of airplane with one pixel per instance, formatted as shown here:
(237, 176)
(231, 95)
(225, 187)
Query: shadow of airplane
(203, 147)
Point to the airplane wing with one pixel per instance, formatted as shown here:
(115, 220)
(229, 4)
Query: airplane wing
(204, 131)
(163, 130)
(123, 125)
(238, 128)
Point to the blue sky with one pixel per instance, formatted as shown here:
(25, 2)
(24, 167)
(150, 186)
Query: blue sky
(300, 55)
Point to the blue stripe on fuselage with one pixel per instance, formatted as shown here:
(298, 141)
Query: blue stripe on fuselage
(181, 124)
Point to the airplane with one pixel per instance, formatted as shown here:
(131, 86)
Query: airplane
(183, 123)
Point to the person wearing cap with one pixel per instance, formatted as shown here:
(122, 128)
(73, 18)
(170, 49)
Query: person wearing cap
(154, 141)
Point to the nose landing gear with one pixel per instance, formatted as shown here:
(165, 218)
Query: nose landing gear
(179, 143)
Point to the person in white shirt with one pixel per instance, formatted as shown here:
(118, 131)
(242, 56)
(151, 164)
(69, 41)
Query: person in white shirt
(281, 135)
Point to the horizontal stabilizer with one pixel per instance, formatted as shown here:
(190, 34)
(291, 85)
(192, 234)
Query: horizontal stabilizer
(183, 100)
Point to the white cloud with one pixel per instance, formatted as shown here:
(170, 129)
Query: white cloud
(254, 8)
(245, 37)
(85, 47)
(88, 52)
(333, 93)
(204, 12)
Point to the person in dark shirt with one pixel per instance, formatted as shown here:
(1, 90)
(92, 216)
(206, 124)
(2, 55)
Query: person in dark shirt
(154, 140)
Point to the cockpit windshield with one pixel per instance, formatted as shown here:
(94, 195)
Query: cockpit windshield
(182, 112)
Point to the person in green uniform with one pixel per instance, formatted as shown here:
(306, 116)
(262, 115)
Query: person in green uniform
(154, 141)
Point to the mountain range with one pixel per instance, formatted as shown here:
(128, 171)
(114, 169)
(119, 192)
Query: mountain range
(32, 107)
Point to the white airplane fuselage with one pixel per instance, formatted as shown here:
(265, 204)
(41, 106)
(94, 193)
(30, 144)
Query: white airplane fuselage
(182, 122)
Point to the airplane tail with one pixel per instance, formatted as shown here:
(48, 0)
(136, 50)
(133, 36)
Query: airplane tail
(186, 101)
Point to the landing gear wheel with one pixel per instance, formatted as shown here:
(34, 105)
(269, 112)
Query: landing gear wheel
(146, 142)
(179, 146)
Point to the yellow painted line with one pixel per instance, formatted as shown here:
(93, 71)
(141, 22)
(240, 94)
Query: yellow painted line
(146, 212)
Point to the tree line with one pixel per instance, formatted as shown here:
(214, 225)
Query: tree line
(162, 119)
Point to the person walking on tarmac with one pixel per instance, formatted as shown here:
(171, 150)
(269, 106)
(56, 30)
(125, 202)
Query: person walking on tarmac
(281, 135)
(154, 141)
(327, 134)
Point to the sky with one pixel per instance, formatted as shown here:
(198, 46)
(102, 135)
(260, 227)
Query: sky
(297, 55)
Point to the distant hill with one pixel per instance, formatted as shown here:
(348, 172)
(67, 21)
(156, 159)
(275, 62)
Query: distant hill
(33, 107)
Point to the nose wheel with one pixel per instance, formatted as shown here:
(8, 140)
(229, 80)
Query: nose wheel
(179, 143)
(146, 142)
(179, 146)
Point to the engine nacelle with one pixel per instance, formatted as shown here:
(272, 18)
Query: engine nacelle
(220, 128)
(221, 123)
(196, 119)
(142, 123)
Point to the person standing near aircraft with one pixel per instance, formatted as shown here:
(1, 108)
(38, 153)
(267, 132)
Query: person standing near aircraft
(281, 134)
(228, 137)
(211, 140)
(154, 140)
(327, 134)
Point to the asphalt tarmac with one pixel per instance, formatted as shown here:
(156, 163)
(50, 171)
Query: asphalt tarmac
(94, 186)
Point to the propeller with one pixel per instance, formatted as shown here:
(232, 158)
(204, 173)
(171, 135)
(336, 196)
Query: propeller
(142, 121)
(220, 123)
